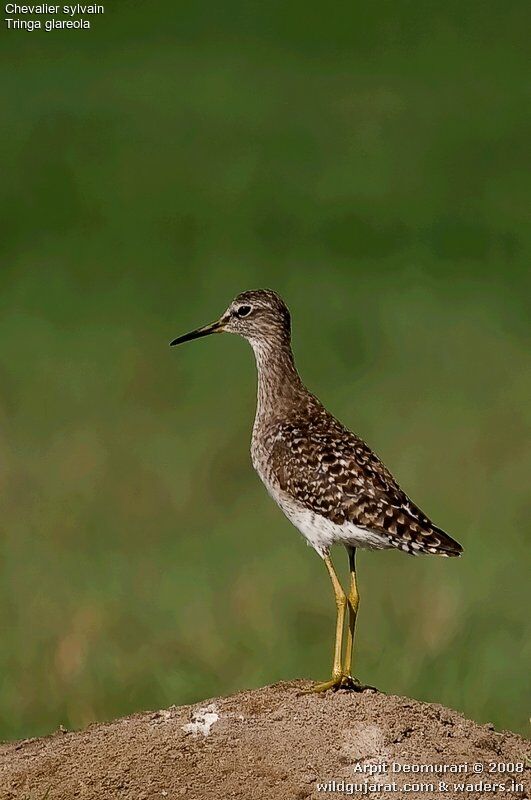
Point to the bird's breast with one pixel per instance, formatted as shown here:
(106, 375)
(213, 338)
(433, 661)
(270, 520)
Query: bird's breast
(262, 443)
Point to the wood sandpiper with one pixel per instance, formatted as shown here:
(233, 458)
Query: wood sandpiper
(326, 480)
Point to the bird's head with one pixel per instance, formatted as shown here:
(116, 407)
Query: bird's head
(260, 316)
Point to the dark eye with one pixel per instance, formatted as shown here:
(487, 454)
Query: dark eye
(243, 311)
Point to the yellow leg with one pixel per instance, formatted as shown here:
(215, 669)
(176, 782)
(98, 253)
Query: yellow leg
(341, 677)
(353, 603)
(341, 603)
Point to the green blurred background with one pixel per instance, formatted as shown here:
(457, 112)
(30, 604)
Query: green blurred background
(367, 161)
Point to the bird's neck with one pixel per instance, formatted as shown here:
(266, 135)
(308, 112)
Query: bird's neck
(279, 384)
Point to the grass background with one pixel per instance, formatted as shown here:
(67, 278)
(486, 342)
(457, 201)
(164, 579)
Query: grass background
(369, 163)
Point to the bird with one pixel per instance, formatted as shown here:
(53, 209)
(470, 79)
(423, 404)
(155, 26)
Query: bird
(330, 485)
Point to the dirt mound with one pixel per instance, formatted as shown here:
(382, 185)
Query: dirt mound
(274, 743)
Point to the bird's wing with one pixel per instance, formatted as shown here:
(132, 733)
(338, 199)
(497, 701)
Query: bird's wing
(335, 474)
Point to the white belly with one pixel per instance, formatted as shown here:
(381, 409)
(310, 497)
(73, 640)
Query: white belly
(321, 533)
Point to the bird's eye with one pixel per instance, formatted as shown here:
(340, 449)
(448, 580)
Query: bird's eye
(243, 311)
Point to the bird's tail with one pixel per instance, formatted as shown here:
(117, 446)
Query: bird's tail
(444, 545)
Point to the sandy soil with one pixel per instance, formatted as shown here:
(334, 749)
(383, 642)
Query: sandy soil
(269, 743)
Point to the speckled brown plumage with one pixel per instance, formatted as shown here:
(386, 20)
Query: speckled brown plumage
(327, 481)
(302, 452)
(334, 473)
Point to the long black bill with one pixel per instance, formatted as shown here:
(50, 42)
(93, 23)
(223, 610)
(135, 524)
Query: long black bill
(214, 327)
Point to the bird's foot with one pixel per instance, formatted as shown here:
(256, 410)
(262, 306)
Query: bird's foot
(352, 684)
(341, 681)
